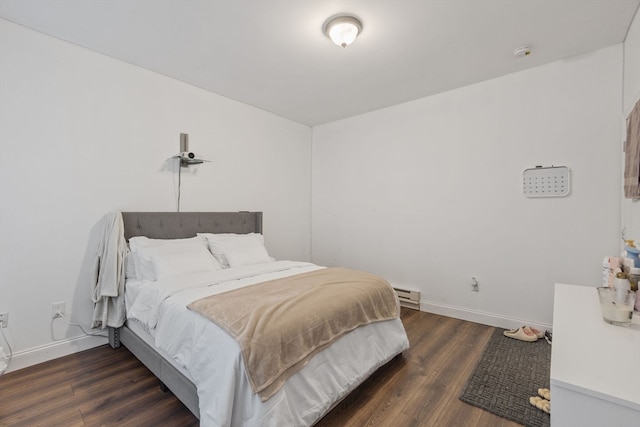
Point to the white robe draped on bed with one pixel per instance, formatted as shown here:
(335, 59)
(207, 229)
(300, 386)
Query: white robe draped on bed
(108, 274)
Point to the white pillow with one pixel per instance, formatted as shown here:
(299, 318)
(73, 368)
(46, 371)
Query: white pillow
(247, 255)
(143, 248)
(219, 244)
(129, 267)
(180, 263)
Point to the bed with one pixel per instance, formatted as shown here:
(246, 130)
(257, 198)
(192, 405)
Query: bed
(199, 361)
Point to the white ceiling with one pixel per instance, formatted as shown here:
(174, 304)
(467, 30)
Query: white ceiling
(272, 54)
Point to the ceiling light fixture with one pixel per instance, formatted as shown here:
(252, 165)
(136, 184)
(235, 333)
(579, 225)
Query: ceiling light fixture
(342, 29)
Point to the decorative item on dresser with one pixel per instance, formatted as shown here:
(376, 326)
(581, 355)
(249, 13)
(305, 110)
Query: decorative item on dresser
(198, 360)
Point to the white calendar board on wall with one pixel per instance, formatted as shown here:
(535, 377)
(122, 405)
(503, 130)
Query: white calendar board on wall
(552, 181)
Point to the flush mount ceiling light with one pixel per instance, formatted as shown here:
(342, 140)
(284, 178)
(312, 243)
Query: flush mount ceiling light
(342, 29)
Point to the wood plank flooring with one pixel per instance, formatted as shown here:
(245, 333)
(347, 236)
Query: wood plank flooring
(103, 386)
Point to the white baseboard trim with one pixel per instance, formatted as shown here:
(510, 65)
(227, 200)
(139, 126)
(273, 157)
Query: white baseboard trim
(482, 317)
(23, 359)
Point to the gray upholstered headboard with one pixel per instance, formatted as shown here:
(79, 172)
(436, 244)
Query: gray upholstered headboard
(179, 225)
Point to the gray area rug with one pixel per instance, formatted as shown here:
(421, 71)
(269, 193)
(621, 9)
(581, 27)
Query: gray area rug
(508, 373)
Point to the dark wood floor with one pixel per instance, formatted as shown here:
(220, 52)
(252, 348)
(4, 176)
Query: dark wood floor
(103, 386)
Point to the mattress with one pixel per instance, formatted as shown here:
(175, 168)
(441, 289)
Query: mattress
(212, 360)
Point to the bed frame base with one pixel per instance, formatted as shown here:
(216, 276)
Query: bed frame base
(170, 378)
(179, 385)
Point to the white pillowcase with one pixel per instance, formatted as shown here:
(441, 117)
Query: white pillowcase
(143, 248)
(129, 267)
(256, 254)
(177, 264)
(244, 249)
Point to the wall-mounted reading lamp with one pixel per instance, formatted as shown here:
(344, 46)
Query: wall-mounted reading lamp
(187, 158)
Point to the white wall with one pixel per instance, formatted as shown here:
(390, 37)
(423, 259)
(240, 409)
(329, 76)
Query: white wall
(429, 193)
(82, 134)
(631, 208)
(426, 193)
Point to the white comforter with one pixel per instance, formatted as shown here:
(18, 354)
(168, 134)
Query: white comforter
(213, 360)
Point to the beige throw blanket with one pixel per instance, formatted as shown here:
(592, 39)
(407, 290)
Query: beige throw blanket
(282, 323)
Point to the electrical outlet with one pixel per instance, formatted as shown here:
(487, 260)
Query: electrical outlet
(57, 308)
(4, 318)
(475, 287)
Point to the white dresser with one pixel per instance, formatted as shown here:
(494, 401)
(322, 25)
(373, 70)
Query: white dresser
(595, 366)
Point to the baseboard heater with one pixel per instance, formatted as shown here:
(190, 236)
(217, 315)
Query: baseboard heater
(409, 299)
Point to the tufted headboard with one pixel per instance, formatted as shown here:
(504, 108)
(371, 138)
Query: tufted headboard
(179, 225)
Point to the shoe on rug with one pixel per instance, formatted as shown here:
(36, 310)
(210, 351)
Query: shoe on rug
(541, 403)
(523, 333)
(539, 334)
(545, 393)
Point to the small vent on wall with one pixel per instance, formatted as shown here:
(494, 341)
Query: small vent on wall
(408, 299)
